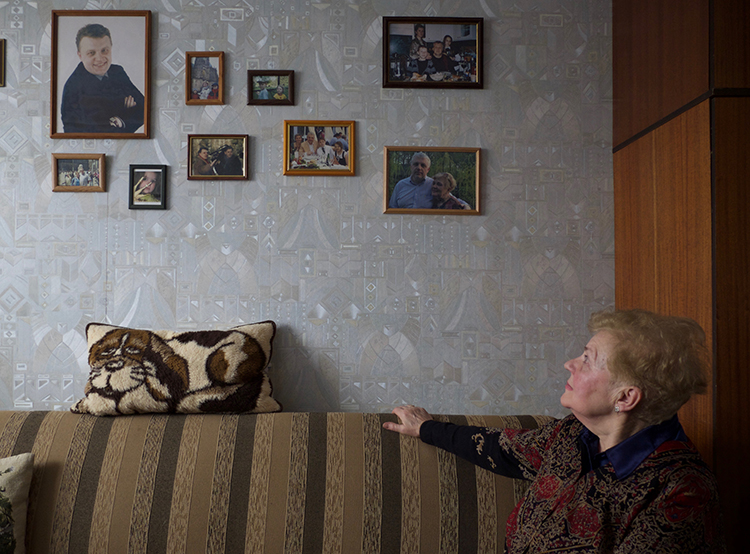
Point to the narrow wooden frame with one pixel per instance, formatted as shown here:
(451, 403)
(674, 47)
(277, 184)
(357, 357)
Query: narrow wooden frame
(193, 75)
(461, 68)
(2, 62)
(78, 112)
(462, 163)
(139, 197)
(274, 79)
(208, 168)
(297, 162)
(96, 165)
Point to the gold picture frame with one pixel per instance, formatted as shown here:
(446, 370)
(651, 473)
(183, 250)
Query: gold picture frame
(79, 173)
(335, 156)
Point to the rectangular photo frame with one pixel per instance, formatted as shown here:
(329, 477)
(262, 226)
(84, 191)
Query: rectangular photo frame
(204, 78)
(2, 62)
(218, 157)
(78, 173)
(433, 52)
(100, 78)
(305, 154)
(270, 88)
(431, 180)
(148, 187)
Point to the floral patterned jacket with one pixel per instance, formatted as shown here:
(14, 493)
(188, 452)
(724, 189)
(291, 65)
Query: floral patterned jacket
(667, 504)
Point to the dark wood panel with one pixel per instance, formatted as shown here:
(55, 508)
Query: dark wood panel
(732, 43)
(682, 181)
(660, 60)
(635, 245)
(732, 253)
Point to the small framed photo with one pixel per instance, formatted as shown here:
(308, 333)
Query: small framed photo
(100, 78)
(431, 180)
(148, 187)
(204, 78)
(270, 88)
(2, 62)
(319, 148)
(78, 173)
(217, 157)
(433, 52)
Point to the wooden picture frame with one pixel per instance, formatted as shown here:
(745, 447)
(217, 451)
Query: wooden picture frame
(210, 159)
(204, 78)
(404, 193)
(264, 83)
(457, 65)
(79, 173)
(2, 62)
(115, 45)
(302, 157)
(148, 187)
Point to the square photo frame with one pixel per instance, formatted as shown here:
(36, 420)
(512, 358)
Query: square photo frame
(148, 187)
(100, 78)
(218, 157)
(431, 180)
(319, 148)
(204, 78)
(270, 88)
(78, 173)
(433, 52)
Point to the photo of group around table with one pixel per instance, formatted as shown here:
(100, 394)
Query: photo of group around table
(320, 147)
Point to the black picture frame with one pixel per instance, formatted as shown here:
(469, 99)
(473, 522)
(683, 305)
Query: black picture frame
(270, 80)
(460, 65)
(2, 62)
(118, 108)
(147, 187)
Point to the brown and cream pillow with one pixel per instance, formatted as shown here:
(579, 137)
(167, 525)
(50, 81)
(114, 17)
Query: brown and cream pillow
(139, 371)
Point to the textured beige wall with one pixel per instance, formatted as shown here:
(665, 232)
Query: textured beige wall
(460, 314)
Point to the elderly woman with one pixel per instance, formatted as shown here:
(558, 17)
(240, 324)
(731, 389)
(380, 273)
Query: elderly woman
(443, 185)
(618, 474)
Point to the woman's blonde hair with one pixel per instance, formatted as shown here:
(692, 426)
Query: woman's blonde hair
(450, 180)
(664, 356)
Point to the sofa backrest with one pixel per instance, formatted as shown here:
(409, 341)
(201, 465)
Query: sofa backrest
(283, 482)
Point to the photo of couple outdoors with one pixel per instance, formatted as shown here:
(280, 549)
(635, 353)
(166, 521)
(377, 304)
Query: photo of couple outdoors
(432, 52)
(271, 88)
(431, 180)
(319, 148)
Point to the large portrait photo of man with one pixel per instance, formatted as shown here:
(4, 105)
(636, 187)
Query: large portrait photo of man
(100, 74)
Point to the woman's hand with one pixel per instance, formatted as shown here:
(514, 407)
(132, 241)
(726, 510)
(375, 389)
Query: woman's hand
(411, 418)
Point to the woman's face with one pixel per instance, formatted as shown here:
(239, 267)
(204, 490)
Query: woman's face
(447, 41)
(338, 148)
(590, 391)
(419, 33)
(440, 188)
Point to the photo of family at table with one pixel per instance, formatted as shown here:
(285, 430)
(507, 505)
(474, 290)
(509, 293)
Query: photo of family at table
(319, 148)
(432, 52)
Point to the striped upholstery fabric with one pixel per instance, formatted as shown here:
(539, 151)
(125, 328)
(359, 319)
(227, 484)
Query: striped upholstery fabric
(283, 482)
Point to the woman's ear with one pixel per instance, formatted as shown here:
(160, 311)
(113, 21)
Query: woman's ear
(628, 398)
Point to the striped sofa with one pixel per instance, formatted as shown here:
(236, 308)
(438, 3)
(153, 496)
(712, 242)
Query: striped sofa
(283, 482)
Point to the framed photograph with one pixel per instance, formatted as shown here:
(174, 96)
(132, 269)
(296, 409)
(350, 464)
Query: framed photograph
(431, 180)
(204, 78)
(100, 74)
(270, 88)
(433, 52)
(319, 148)
(217, 157)
(148, 187)
(2, 62)
(78, 173)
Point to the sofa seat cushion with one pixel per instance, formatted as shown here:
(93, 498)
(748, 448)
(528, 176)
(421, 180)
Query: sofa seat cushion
(282, 482)
(139, 371)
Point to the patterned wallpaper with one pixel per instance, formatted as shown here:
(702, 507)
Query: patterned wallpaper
(460, 314)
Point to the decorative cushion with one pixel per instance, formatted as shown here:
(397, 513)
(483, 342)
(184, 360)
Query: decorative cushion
(138, 371)
(15, 478)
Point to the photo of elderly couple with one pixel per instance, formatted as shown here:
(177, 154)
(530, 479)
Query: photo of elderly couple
(432, 179)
